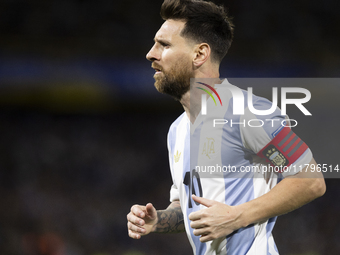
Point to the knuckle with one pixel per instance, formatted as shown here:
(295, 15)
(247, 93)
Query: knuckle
(130, 234)
(205, 214)
(133, 235)
(130, 219)
(135, 208)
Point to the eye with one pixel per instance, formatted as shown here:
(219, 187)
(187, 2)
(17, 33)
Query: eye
(164, 44)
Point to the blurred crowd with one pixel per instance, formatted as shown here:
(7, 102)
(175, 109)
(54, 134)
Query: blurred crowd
(281, 31)
(68, 182)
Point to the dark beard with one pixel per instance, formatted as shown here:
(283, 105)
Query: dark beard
(175, 83)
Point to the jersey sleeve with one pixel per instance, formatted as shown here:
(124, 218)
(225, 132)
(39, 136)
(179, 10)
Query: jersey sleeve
(271, 139)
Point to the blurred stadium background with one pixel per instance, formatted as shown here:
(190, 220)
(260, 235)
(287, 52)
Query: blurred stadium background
(83, 131)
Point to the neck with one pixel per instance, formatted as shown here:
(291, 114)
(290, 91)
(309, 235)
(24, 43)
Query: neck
(191, 100)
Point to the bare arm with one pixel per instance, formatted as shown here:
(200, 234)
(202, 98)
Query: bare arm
(291, 193)
(288, 195)
(143, 220)
(170, 220)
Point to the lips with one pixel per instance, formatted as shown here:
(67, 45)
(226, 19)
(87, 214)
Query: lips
(157, 68)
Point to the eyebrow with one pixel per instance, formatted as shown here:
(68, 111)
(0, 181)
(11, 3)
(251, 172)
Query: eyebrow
(162, 41)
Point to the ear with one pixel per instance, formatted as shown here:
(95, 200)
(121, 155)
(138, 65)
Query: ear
(202, 54)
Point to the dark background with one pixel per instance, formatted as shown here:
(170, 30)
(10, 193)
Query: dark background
(83, 131)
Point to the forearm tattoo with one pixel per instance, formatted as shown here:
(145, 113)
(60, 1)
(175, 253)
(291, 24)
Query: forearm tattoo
(171, 219)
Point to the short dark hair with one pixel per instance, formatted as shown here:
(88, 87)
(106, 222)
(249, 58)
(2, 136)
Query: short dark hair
(206, 22)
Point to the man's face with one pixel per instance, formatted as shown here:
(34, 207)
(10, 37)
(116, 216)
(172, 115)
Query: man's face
(171, 57)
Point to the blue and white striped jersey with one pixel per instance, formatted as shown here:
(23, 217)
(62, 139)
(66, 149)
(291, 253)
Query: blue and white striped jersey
(215, 162)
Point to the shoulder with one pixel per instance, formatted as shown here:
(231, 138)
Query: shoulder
(178, 122)
(262, 120)
(173, 131)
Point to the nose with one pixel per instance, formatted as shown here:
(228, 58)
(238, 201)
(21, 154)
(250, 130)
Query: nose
(153, 54)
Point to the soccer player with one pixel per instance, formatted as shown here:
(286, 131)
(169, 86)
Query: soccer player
(224, 214)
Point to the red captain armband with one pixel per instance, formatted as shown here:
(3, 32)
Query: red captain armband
(284, 149)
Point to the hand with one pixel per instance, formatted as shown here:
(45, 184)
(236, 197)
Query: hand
(215, 221)
(141, 220)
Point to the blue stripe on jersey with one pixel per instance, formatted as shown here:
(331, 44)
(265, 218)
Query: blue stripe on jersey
(240, 241)
(191, 151)
(269, 228)
(271, 127)
(232, 152)
(237, 190)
